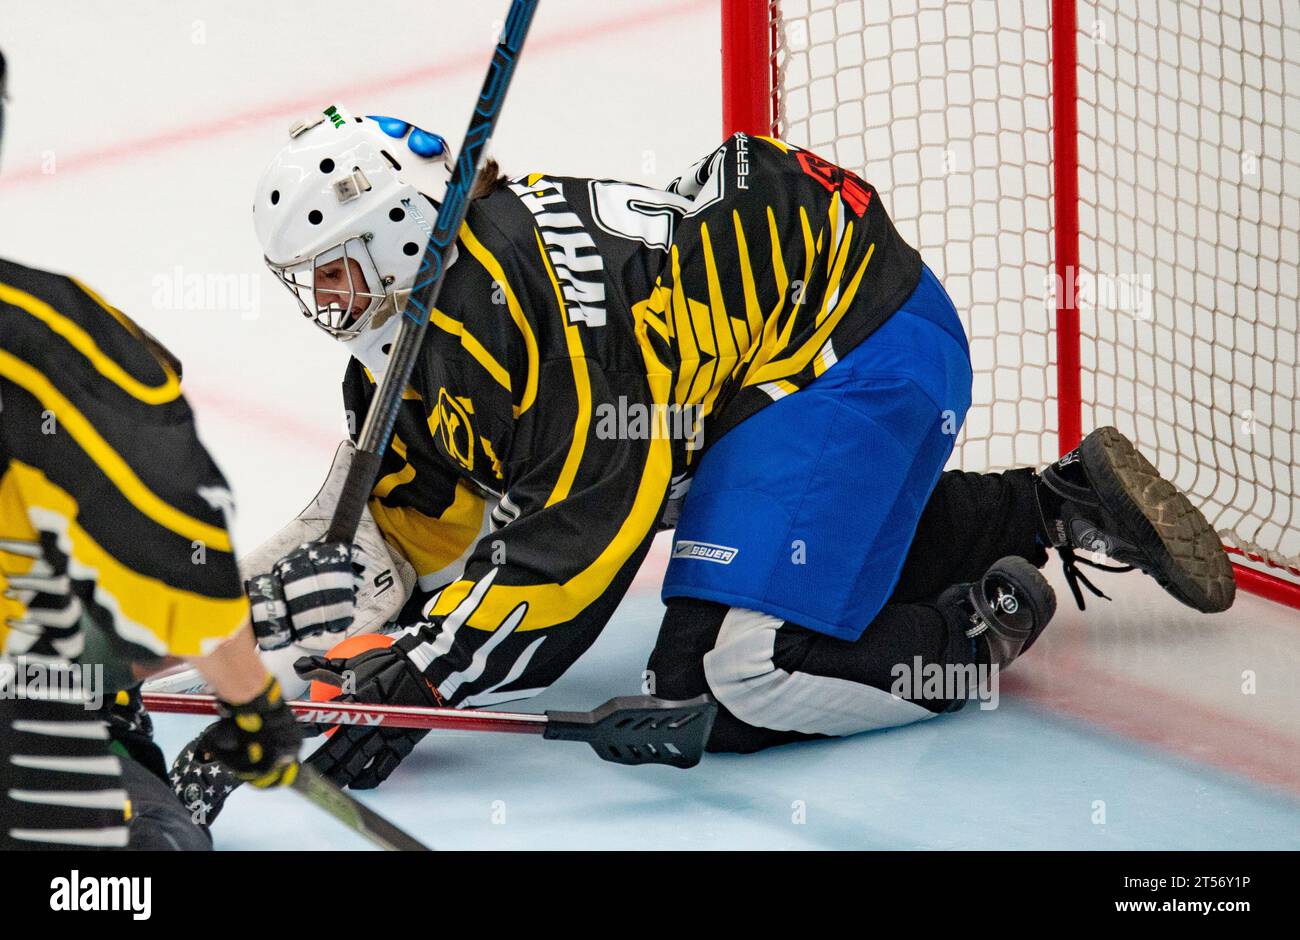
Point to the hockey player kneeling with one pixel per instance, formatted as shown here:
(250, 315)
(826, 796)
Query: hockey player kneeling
(752, 356)
(114, 558)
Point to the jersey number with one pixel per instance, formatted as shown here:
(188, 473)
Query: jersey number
(649, 215)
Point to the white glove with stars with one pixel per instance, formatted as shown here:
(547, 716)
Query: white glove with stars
(309, 592)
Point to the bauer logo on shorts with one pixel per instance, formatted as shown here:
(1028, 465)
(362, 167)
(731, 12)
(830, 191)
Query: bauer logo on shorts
(703, 551)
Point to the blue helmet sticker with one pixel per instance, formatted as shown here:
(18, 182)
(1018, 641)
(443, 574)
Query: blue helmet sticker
(420, 142)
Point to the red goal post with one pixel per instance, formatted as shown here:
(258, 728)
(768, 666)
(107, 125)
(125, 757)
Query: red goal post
(1149, 161)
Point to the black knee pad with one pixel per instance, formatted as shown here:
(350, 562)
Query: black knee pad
(689, 630)
(159, 821)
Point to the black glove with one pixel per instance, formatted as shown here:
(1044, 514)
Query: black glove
(310, 591)
(258, 741)
(201, 782)
(130, 729)
(362, 758)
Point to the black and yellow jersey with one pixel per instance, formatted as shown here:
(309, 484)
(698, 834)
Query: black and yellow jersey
(112, 513)
(591, 340)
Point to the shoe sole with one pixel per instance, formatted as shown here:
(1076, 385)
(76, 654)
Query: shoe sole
(1155, 516)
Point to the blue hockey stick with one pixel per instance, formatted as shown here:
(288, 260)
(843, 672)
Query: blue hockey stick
(384, 408)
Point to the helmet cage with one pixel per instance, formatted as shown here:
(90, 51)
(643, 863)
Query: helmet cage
(334, 309)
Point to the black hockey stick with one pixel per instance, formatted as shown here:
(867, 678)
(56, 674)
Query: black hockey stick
(384, 408)
(633, 729)
(640, 729)
(354, 814)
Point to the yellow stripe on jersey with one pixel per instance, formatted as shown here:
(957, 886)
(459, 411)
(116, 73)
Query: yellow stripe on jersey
(653, 312)
(581, 387)
(471, 345)
(127, 323)
(775, 337)
(14, 527)
(753, 312)
(82, 342)
(408, 393)
(493, 267)
(390, 481)
(723, 331)
(798, 360)
(550, 604)
(839, 256)
(780, 145)
(698, 347)
(688, 353)
(430, 544)
(147, 611)
(492, 457)
(108, 460)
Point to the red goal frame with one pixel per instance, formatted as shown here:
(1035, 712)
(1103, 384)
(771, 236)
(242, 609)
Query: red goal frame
(749, 105)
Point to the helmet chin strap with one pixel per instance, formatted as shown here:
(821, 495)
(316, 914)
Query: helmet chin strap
(368, 347)
(371, 348)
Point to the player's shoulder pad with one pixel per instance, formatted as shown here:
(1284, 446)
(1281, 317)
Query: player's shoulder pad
(61, 327)
(498, 217)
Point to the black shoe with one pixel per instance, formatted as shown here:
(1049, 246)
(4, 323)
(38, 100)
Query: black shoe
(1009, 607)
(1106, 497)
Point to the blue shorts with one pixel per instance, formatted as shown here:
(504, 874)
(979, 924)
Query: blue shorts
(806, 509)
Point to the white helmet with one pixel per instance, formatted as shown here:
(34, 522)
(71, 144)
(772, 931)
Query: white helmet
(342, 216)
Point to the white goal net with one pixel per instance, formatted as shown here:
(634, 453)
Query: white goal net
(1188, 233)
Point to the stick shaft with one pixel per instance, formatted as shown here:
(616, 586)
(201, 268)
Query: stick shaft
(354, 814)
(384, 408)
(351, 713)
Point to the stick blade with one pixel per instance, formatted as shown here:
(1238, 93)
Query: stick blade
(354, 814)
(640, 729)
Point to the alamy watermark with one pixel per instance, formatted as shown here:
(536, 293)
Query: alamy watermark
(1125, 293)
(207, 291)
(78, 892)
(932, 682)
(624, 420)
(42, 680)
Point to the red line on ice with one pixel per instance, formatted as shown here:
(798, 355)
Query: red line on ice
(297, 107)
(1165, 721)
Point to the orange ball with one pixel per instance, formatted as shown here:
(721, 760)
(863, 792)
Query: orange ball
(352, 646)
